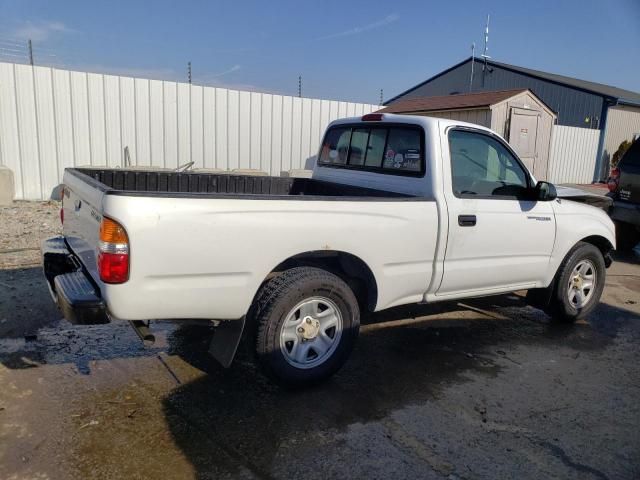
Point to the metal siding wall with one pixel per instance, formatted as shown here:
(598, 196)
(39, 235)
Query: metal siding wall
(571, 105)
(45, 114)
(156, 122)
(95, 94)
(51, 119)
(573, 153)
(622, 124)
(478, 116)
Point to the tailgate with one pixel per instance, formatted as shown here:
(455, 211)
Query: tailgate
(82, 205)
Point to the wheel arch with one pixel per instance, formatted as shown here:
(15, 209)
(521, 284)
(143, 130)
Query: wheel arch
(352, 269)
(601, 243)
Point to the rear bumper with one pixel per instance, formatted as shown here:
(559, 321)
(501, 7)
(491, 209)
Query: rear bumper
(625, 212)
(70, 286)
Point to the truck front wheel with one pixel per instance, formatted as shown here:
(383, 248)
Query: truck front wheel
(579, 283)
(308, 321)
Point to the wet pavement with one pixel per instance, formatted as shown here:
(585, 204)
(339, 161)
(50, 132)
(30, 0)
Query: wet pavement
(483, 389)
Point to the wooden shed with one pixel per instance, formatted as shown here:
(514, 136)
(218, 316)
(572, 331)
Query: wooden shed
(518, 115)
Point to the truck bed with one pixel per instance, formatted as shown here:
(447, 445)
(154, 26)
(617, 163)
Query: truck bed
(179, 184)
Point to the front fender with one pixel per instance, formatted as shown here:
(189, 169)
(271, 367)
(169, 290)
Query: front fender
(577, 222)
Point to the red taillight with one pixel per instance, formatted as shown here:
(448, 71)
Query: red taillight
(614, 179)
(113, 254)
(113, 267)
(372, 117)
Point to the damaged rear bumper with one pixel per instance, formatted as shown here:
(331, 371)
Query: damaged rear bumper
(70, 286)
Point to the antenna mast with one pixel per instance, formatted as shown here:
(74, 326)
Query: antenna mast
(473, 62)
(485, 54)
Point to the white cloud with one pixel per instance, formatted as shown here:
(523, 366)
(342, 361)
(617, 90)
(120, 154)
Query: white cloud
(207, 76)
(139, 72)
(40, 31)
(364, 28)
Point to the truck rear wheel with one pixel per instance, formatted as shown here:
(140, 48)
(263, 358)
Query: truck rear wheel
(579, 284)
(308, 321)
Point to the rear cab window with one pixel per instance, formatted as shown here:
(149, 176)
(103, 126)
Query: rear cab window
(393, 149)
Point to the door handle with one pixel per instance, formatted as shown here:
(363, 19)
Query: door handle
(467, 220)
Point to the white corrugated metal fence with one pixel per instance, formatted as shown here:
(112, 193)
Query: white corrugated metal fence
(51, 119)
(572, 158)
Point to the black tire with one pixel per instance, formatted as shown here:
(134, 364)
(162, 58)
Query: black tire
(627, 236)
(274, 303)
(561, 309)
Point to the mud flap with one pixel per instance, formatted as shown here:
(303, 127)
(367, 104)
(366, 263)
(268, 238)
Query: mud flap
(541, 297)
(225, 341)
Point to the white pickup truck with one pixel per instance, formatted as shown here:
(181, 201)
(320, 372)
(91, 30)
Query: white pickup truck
(400, 210)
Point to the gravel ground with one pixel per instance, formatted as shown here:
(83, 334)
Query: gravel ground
(23, 226)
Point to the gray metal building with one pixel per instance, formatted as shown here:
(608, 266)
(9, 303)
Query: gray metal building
(576, 103)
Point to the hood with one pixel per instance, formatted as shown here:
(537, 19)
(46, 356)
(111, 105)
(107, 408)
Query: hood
(576, 195)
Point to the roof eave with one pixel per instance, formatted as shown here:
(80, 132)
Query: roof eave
(630, 103)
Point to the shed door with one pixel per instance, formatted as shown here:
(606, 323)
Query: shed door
(523, 133)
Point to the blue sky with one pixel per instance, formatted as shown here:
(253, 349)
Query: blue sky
(346, 50)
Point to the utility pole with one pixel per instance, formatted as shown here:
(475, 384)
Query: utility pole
(300, 86)
(189, 71)
(380, 96)
(30, 47)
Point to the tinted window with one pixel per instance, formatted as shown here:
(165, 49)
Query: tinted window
(359, 139)
(336, 146)
(397, 149)
(481, 165)
(375, 149)
(632, 156)
(403, 150)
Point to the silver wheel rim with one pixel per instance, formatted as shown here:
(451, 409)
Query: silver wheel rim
(582, 283)
(311, 332)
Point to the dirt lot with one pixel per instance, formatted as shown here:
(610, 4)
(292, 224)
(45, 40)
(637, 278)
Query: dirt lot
(477, 390)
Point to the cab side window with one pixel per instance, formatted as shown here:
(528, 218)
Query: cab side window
(482, 166)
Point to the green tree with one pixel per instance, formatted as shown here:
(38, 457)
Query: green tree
(624, 146)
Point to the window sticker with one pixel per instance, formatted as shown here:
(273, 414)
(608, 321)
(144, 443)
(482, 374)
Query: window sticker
(398, 160)
(390, 155)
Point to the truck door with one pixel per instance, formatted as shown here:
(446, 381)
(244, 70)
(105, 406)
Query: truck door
(499, 239)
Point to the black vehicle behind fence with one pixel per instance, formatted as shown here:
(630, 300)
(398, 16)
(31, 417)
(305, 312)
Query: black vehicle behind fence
(624, 184)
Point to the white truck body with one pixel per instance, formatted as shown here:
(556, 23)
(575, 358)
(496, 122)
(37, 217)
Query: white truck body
(205, 256)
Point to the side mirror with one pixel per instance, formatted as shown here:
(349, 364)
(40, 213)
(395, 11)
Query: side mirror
(545, 192)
